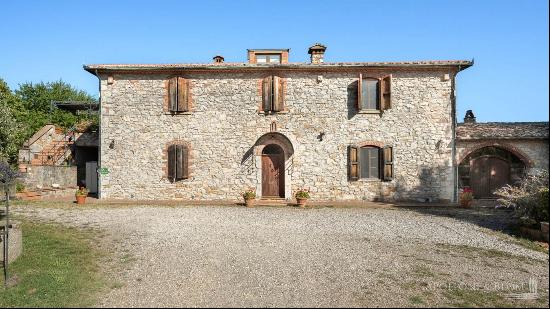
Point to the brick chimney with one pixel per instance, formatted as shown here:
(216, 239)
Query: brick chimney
(317, 52)
(469, 118)
(218, 59)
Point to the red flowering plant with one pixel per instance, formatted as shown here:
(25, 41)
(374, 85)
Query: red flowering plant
(466, 195)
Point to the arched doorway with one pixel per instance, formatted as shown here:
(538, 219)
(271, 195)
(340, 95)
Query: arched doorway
(273, 157)
(273, 171)
(488, 173)
(489, 168)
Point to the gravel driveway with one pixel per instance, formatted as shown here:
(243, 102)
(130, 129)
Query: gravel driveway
(217, 256)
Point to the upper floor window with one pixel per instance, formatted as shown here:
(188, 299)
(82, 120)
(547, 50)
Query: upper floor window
(178, 95)
(273, 94)
(373, 94)
(268, 58)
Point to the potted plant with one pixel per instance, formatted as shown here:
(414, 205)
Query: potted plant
(249, 196)
(302, 195)
(81, 195)
(466, 197)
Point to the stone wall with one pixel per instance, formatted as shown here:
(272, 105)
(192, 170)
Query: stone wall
(533, 152)
(224, 126)
(44, 176)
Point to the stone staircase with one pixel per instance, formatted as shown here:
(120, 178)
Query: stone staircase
(55, 152)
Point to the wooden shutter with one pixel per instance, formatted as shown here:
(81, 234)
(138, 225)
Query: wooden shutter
(360, 92)
(267, 93)
(172, 163)
(179, 162)
(353, 162)
(185, 165)
(173, 94)
(387, 154)
(385, 93)
(278, 102)
(183, 95)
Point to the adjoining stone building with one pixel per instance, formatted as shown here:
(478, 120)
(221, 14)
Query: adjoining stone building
(493, 154)
(347, 131)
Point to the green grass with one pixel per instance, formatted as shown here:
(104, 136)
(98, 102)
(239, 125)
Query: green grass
(59, 267)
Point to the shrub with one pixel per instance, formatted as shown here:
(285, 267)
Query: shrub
(19, 187)
(249, 194)
(302, 193)
(529, 198)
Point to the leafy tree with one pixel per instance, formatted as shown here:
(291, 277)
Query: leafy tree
(29, 108)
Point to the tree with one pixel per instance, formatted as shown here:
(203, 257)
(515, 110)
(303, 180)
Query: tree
(29, 108)
(12, 133)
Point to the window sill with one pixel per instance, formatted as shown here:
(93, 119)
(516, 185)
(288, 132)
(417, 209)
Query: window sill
(178, 114)
(370, 111)
(273, 113)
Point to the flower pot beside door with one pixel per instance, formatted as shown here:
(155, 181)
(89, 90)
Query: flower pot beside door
(302, 195)
(81, 195)
(249, 197)
(466, 197)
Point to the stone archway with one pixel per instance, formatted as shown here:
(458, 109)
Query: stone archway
(490, 167)
(274, 151)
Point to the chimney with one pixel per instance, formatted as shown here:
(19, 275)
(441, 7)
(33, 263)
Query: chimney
(218, 59)
(317, 52)
(469, 118)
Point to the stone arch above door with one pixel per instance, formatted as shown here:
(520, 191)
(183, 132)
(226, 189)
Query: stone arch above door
(274, 138)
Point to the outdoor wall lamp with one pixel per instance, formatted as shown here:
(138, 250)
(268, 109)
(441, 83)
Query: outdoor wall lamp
(320, 136)
(112, 144)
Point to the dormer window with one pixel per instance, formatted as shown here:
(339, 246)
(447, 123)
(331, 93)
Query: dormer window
(268, 58)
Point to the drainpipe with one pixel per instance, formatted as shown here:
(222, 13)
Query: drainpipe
(99, 145)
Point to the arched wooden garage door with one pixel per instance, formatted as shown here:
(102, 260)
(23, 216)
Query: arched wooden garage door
(488, 173)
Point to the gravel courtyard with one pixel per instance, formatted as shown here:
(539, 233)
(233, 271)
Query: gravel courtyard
(213, 256)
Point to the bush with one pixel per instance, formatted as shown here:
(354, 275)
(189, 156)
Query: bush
(19, 187)
(530, 198)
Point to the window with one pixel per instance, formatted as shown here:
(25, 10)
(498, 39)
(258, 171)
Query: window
(373, 94)
(178, 95)
(178, 162)
(273, 94)
(369, 94)
(268, 58)
(370, 162)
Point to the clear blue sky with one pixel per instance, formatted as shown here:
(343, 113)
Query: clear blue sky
(51, 40)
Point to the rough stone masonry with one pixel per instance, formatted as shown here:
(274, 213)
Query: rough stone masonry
(226, 129)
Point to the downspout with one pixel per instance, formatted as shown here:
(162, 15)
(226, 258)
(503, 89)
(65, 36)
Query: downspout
(99, 145)
(453, 133)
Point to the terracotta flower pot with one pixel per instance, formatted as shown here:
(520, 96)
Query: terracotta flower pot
(466, 203)
(301, 202)
(81, 199)
(249, 202)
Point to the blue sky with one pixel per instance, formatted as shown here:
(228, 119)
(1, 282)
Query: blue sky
(51, 40)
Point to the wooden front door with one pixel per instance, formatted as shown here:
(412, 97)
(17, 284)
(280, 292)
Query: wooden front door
(273, 176)
(488, 174)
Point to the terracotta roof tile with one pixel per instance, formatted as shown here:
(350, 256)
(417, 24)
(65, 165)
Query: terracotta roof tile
(502, 130)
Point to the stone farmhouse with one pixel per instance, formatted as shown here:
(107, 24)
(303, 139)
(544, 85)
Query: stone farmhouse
(347, 131)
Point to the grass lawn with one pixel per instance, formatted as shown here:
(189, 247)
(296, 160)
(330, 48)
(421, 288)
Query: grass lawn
(59, 267)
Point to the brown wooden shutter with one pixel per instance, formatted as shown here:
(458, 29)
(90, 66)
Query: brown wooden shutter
(173, 94)
(183, 95)
(278, 100)
(353, 163)
(179, 162)
(387, 154)
(267, 93)
(385, 93)
(360, 92)
(185, 165)
(172, 163)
